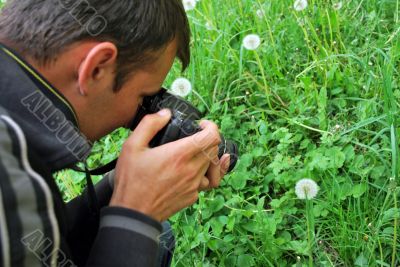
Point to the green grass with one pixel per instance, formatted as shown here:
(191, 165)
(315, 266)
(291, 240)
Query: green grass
(318, 99)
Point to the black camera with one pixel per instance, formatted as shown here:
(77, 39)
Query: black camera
(183, 122)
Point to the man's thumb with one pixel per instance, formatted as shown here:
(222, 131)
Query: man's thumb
(149, 126)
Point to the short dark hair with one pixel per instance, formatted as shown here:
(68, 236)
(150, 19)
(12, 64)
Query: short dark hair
(42, 29)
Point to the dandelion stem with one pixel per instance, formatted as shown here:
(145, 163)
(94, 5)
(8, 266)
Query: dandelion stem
(310, 230)
(307, 39)
(260, 65)
(241, 62)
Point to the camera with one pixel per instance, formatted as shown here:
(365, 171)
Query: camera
(183, 123)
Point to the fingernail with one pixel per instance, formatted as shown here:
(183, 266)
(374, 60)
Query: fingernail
(164, 112)
(227, 162)
(203, 124)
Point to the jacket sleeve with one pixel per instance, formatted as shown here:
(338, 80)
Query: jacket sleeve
(118, 237)
(29, 229)
(29, 232)
(125, 238)
(83, 225)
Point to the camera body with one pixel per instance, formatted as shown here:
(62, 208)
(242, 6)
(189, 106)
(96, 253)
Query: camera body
(183, 122)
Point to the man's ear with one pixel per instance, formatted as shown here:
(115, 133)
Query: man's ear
(97, 68)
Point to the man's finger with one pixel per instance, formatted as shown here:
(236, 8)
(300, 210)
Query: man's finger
(225, 164)
(214, 174)
(149, 126)
(205, 183)
(210, 154)
(201, 141)
(218, 170)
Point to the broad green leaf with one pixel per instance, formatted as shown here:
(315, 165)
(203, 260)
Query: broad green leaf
(238, 180)
(359, 190)
(361, 261)
(245, 261)
(217, 203)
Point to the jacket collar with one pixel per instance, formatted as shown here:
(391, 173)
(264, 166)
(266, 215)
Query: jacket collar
(47, 119)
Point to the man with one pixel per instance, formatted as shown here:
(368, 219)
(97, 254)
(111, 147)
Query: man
(72, 72)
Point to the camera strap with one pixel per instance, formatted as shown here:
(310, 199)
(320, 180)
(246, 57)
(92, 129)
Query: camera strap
(98, 171)
(91, 192)
(104, 169)
(92, 197)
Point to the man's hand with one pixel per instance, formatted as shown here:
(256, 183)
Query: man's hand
(163, 180)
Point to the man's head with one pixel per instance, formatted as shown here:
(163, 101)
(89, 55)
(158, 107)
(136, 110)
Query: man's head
(104, 56)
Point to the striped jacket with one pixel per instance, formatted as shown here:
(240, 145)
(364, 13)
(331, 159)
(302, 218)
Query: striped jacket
(39, 135)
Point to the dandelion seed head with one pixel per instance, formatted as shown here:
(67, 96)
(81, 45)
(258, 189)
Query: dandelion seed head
(300, 5)
(251, 42)
(181, 87)
(337, 5)
(306, 189)
(189, 4)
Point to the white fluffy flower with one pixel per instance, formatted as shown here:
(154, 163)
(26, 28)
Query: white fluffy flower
(189, 4)
(209, 26)
(306, 189)
(260, 13)
(251, 42)
(181, 87)
(300, 5)
(337, 5)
